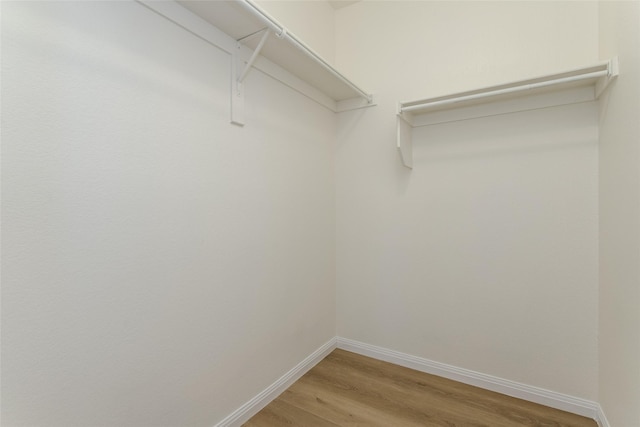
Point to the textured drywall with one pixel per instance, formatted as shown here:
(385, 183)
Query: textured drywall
(619, 315)
(485, 255)
(160, 266)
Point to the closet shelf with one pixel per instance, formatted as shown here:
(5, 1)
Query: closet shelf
(256, 40)
(246, 22)
(578, 85)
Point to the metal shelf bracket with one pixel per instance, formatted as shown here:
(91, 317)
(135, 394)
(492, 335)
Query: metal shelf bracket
(239, 72)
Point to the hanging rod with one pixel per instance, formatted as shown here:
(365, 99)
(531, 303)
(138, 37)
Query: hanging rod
(281, 32)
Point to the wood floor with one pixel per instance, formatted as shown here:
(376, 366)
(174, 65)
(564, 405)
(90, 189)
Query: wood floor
(346, 389)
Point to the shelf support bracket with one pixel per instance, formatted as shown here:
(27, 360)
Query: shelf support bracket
(237, 88)
(612, 72)
(254, 56)
(239, 72)
(404, 138)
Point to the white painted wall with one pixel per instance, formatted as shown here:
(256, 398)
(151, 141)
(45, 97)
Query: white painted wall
(485, 255)
(312, 21)
(620, 218)
(160, 266)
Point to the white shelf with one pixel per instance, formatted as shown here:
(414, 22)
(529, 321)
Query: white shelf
(579, 85)
(241, 18)
(239, 27)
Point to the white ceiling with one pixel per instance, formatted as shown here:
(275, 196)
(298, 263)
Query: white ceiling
(338, 4)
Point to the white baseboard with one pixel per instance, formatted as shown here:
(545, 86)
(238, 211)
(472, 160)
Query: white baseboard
(601, 419)
(538, 395)
(252, 407)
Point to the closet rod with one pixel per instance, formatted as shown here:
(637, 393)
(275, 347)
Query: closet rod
(281, 32)
(514, 89)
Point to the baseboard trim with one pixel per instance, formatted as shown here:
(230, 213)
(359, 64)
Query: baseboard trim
(601, 418)
(538, 395)
(253, 406)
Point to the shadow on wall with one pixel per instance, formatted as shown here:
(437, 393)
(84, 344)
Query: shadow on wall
(521, 134)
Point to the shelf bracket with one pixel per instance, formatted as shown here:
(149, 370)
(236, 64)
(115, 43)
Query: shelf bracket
(612, 72)
(404, 139)
(239, 72)
(254, 56)
(237, 89)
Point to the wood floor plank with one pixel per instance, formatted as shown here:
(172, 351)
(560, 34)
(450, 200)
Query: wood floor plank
(280, 413)
(494, 408)
(347, 389)
(402, 404)
(344, 409)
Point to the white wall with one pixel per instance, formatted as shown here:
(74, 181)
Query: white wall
(160, 266)
(620, 218)
(312, 21)
(485, 255)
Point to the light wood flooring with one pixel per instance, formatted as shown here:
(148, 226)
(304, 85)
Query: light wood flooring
(346, 389)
